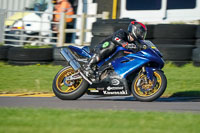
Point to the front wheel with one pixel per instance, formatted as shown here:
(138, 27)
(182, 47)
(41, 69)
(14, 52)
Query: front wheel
(146, 90)
(68, 90)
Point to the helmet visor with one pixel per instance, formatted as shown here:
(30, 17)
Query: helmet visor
(141, 34)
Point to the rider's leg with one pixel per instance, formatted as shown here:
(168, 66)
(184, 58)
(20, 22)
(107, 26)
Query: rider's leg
(103, 52)
(94, 60)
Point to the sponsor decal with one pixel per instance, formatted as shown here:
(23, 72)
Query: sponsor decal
(91, 88)
(115, 88)
(94, 90)
(117, 39)
(101, 89)
(115, 82)
(106, 44)
(115, 92)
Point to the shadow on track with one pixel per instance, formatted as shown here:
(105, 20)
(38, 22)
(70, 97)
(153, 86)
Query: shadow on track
(173, 98)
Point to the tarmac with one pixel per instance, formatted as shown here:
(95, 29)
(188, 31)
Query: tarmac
(89, 102)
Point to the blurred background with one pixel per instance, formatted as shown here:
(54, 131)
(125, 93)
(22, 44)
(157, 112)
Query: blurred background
(173, 25)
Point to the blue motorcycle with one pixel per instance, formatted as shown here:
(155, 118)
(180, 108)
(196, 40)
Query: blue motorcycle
(123, 73)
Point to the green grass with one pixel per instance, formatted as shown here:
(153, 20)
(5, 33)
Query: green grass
(15, 120)
(182, 81)
(43, 46)
(34, 78)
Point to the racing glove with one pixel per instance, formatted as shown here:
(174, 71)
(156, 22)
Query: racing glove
(130, 46)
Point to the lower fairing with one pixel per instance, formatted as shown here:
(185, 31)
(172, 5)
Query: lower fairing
(112, 85)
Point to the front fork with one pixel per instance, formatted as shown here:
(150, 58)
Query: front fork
(148, 71)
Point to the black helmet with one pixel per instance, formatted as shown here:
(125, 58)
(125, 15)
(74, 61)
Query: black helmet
(137, 30)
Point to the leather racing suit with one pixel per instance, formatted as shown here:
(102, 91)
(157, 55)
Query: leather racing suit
(108, 46)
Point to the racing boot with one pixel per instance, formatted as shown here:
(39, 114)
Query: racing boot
(88, 68)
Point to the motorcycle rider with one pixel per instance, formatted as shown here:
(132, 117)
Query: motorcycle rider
(131, 40)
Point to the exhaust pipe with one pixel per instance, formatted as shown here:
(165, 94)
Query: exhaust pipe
(73, 62)
(70, 58)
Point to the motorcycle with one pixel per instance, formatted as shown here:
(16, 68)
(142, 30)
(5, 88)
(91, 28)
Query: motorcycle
(123, 73)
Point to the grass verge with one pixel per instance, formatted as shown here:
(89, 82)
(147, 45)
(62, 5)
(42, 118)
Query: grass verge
(182, 81)
(92, 121)
(34, 78)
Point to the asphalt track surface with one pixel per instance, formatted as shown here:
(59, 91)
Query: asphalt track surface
(105, 103)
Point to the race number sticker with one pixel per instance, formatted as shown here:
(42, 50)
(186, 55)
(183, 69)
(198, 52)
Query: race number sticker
(105, 45)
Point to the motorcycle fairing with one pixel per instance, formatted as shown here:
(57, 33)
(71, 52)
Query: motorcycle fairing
(125, 65)
(112, 85)
(118, 49)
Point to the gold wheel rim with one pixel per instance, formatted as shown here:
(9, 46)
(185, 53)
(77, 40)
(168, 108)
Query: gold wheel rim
(147, 86)
(61, 85)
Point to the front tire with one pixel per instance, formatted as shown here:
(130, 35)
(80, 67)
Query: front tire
(147, 92)
(72, 92)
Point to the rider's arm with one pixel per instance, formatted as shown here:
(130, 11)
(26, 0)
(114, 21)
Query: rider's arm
(118, 38)
(119, 41)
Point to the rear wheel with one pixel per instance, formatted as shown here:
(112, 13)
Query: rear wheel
(146, 90)
(68, 90)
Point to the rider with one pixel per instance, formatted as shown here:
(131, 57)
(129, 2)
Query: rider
(130, 40)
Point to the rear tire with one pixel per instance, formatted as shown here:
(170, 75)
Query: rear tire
(77, 89)
(153, 94)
